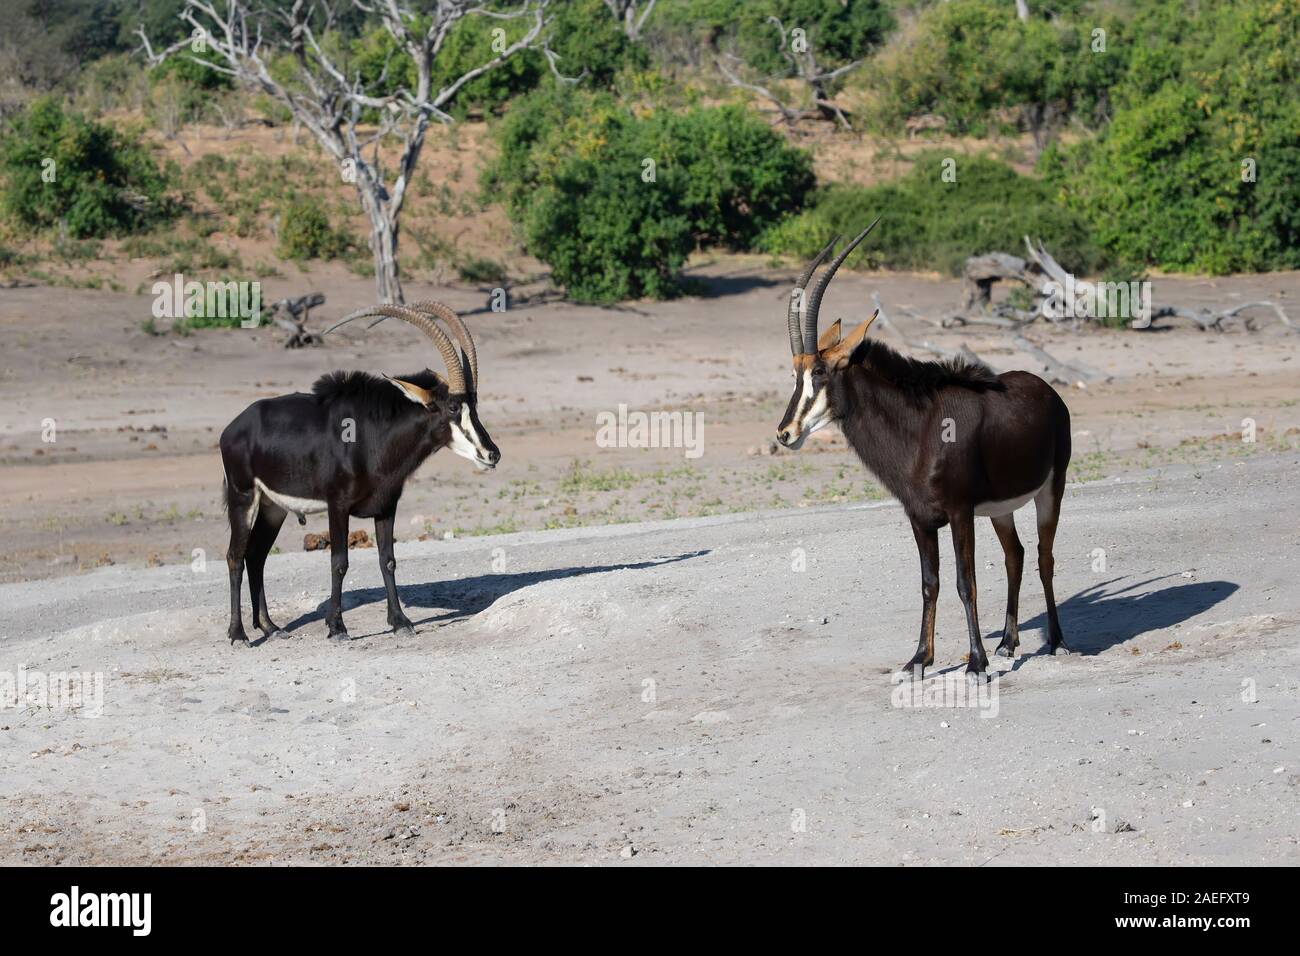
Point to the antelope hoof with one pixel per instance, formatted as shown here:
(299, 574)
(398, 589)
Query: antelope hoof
(404, 631)
(340, 635)
(916, 667)
(278, 635)
(977, 666)
(238, 638)
(1007, 648)
(1060, 650)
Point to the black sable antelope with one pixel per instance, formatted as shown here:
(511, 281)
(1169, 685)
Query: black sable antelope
(950, 440)
(346, 449)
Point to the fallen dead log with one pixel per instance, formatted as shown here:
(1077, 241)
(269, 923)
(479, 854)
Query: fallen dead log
(1058, 372)
(1209, 321)
(925, 345)
(981, 272)
(292, 316)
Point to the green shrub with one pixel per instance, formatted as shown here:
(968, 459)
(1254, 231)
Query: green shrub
(929, 224)
(614, 202)
(837, 32)
(105, 183)
(585, 37)
(1165, 184)
(477, 270)
(588, 43)
(973, 61)
(306, 233)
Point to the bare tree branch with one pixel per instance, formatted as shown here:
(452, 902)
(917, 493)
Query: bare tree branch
(333, 102)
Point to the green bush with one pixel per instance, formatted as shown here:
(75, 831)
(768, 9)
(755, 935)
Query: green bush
(306, 233)
(480, 271)
(928, 224)
(837, 31)
(1164, 184)
(614, 202)
(585, 37)
(587, 40)
(973, 62)
(105, 183)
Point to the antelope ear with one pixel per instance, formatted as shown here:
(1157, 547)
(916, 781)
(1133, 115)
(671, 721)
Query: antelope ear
(830, 338)
(421, 396)
(842, 354)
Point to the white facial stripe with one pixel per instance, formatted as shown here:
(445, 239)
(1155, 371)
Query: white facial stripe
(814, 409)
(461, 444)
(466, 441)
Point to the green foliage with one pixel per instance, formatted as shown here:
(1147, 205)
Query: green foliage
(837, 31)
(105, 182)
(585, 37)
(973, 61)
(587, 41)
(614, 201)
(929, 224)
(1211, 88)
(184, 86)
(479, 270)
(306, 233)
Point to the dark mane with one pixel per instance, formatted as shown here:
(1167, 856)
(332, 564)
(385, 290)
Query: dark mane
(921, 379)
(371, 389)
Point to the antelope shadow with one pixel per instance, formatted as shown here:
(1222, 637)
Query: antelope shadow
(465, 597)
(720, 286)
(1098, 618)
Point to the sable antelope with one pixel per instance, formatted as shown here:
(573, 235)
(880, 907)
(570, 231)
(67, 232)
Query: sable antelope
(346, 449)
(950, 440)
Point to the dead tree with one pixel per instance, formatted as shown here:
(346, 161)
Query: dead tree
(292, 316)
(980, 272)
(348, 118)
(631, 14)
(803, 65)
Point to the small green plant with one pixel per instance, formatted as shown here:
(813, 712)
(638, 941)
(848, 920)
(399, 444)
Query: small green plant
(481, 271)
(306, 233)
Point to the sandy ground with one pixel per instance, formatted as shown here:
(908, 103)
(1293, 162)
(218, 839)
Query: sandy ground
(615, 659)
(675, 692)
(133, 477)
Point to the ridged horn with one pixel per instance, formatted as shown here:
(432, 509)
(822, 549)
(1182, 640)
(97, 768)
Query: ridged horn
(458, 328)
(814, 303)
(792, 317)
(455, 370)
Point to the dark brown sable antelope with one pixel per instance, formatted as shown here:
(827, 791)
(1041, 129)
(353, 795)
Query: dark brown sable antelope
(950, 440)
(346, 449)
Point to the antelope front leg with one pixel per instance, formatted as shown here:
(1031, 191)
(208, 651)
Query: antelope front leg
(927, 543)
(963, 543)
(398, 621)
(338, 568)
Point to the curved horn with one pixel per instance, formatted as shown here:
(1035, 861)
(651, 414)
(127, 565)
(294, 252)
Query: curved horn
(455, 370)
(792, 318)
(814, 303)
(448, 315)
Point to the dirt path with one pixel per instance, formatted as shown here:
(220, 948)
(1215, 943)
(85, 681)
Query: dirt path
(677, 688)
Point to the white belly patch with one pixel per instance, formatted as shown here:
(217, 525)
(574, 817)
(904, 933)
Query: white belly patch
(290, 503)
(996, 509)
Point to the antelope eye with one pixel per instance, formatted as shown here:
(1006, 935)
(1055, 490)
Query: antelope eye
(454, 409)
